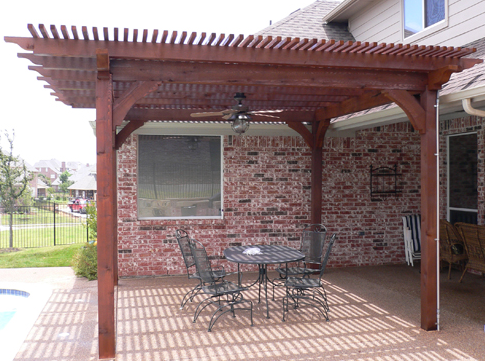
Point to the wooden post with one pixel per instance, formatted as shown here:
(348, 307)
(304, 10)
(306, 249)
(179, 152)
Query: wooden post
(316, 180)
(429, 220)
(106, 206)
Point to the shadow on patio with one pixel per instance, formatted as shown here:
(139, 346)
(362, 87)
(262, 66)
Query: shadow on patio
(374, 315)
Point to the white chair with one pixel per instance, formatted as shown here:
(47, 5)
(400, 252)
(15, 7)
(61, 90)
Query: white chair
(412, 237)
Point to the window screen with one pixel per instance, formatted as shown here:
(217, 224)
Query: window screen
(179, 177)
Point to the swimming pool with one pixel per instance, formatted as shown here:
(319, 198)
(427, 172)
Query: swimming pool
(10, 302)
(20, 305)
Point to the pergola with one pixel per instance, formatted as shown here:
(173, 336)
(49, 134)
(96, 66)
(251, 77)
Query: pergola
(133, 77)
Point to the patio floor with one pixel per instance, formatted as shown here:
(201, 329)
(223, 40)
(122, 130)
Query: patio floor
(374, 315)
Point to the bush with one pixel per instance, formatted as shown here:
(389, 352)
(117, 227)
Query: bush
(92, 221)
(85, 262)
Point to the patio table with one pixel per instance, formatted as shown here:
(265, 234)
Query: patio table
(262, 255)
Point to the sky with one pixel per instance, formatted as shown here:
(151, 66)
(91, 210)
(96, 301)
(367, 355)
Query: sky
(45, 128)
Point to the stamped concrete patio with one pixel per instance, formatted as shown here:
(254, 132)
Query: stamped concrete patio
(374, 315)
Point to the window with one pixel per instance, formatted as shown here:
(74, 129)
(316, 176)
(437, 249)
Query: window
(420, 14)
(179, 177)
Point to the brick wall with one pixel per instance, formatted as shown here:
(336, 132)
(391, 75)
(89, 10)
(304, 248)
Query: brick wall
(267, 200)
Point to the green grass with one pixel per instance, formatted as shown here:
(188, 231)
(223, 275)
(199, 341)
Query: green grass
(37, 216)
(58, 256)
(42, 237)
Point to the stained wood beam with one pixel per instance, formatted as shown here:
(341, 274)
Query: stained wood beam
(429, 215)
(410, 105)
(126, 132)
(182, 52)
(319, 129)
(134, 93)
(301, 129)
(257, 75)
(106, 205)
(441, 76)
(365, 101)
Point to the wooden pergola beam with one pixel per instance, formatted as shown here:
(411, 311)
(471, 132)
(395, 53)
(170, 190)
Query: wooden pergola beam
(257, 75)
(107, 209)
(224, 54)
(429, 211)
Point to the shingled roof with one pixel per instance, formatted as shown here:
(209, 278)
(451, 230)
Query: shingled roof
(469, 78)
(308, 23)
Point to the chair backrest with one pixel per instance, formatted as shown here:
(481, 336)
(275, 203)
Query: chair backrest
(413, 222)
(202, 262)
(327, 253)
(474, 237)
(312, 242)
(183, 241)
(449, 236)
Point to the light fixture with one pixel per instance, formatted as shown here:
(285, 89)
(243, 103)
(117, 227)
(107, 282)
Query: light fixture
(240, 122)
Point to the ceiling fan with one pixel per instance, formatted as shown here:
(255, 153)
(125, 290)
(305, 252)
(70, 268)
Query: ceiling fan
(239, 114)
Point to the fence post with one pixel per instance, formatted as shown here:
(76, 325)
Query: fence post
(54, 223)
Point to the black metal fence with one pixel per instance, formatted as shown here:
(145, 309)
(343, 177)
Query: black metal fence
(41, 225)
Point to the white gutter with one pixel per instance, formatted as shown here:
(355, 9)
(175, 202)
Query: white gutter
(338, 10)
(467, 106)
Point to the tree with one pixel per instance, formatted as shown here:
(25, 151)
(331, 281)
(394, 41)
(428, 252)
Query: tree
(65, 182)
(14, 181)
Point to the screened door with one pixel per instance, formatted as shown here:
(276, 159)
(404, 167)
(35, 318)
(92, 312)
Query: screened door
(462, 178)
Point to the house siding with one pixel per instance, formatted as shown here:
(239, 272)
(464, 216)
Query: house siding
(381, 21)
(267, 200)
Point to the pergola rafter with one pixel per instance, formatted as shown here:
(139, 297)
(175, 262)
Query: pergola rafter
(135, 77)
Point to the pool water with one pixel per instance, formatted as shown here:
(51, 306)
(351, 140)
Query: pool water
(10, 302)
(5, 316)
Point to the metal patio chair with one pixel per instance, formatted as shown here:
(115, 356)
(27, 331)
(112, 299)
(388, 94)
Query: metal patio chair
(183, 241)
(309, 291)
(311, 245)
(223, 294)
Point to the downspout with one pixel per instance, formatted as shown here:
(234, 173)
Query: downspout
(438, 212)
(467, 106)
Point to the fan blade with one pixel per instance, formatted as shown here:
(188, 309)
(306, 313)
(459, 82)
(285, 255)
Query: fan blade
(265, 115)
(207, 114)
(265, 111)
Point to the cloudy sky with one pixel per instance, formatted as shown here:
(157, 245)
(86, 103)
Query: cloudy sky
(45, 128)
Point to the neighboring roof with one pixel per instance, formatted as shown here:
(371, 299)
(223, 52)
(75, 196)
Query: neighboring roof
(82, 172)
(88, 182)
(307, 23)
(53, 164)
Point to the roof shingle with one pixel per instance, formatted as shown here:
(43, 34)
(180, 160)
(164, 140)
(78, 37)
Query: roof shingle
(308, 23)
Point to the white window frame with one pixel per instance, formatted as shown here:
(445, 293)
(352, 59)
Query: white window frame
(448, 208)
(221, 216)
(440, 25)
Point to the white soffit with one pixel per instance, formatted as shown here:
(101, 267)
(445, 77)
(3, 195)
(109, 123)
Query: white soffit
(345, 10)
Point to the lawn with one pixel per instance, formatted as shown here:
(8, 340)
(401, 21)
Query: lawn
(35, 236)
(58, 256)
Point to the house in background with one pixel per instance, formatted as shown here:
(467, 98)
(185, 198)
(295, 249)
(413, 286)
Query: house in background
(51, 169)
(84, 185)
